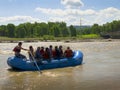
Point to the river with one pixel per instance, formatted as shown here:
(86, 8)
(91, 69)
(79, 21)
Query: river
(100, 69)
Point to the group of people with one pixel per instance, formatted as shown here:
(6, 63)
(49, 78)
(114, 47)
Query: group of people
(42, 53)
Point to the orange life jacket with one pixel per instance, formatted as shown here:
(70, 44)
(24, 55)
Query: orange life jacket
(46, 55)
(68, 53)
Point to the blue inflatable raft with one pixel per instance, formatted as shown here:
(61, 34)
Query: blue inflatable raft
(27, 65)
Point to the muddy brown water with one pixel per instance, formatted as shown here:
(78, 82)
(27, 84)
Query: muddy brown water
(100, 69)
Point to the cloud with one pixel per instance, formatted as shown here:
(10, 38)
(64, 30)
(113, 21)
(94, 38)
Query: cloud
(51, 11)
(107, 15)
(19, 19)
(72, 13)
(68, 15)
(89, 16)
(60, 12)
(72, 3)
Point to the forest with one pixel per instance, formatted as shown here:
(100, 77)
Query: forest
(53, 30)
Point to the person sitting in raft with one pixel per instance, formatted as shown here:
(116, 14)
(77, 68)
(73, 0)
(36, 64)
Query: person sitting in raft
(68, 52)
(51, 51)
(38, 56)
(46, 55)
(31, 53)
(42, 51)
(17, 50)
(56, 53)
(61, 51)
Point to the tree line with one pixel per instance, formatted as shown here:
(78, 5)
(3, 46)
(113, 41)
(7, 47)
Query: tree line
(112, 29)
(29, 30)
(55, 29)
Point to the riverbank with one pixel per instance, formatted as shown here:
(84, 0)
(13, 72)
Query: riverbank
(94, 40)
(66, 41)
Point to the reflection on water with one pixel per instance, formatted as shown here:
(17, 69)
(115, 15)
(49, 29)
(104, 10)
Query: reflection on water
(100, 70)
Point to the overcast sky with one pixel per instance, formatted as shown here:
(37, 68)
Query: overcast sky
(69, 11)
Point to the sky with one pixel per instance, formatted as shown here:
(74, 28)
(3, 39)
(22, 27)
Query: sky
(73, 12)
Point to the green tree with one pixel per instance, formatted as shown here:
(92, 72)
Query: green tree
(44, 29)
(64, 30)
(36, 31)
(95, 29)
(3, 30)
(11, 30)
(56, 31)
(28, 29)
(72, 31)
(20, 31)
(50, 28)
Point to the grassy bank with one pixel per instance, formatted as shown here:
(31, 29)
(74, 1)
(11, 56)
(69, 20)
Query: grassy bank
(89, 36)
(46, 38)
(6, 39)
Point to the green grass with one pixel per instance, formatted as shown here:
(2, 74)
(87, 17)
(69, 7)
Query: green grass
(18, 39)
(89, 36)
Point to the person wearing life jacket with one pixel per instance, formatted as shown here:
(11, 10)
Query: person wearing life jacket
(38, 56)
(56, 53)
(42, 51)
(17, 50)
(31, 53)
(61, 51)
(46, 55)
(51, 51)
(68, 52)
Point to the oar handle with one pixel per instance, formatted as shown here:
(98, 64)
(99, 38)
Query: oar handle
(35, 62)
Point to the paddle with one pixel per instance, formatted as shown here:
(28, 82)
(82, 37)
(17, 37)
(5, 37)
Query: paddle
(35, 63)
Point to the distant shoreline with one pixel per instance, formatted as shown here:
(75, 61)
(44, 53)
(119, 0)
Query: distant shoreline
(66, 41)
(96, 40)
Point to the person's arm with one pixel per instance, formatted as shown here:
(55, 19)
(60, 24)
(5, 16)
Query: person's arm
(24, 49)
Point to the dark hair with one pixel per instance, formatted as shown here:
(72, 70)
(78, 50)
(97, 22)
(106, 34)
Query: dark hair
(50, 46)
(60, 46)
(38, 48)
(42, 47)
(68, 47)
(20, 43)
(30, 47)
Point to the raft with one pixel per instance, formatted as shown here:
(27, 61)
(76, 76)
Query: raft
(28, 65)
